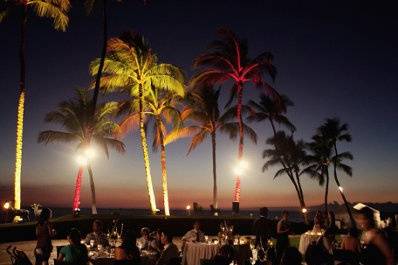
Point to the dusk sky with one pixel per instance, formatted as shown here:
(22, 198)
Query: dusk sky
(334, 58)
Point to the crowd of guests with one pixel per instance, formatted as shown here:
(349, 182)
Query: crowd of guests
(364, 244)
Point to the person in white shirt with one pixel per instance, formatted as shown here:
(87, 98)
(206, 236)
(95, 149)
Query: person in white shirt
(195, 235)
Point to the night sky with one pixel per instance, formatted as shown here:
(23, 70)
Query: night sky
(334, 58)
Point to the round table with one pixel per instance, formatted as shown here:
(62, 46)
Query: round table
(306, 239)
(195, 252)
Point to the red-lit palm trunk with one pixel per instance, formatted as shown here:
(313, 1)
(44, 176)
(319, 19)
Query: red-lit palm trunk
(236, 198)
(78, 185)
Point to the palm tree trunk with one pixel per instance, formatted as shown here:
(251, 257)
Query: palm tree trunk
(78, 185)
(164, 169)
(92, 186)
(213, 145)
(20, 113)
(340, 191)
(145, 153)
(103, 54)
(326, 195)
(297, 185)
(240, 147)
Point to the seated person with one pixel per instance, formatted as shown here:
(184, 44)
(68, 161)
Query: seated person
(170, 252)
(144, 241)
(75, 253)
(291, 256)
(155, 243)
(225, 256)
(128, 252)
(194, 235)
(350, 248)
(97, 235)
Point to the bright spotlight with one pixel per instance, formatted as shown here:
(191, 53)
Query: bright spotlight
(240, 167)
(81, 160)
(7, 205)
(304, 210)
(89, 152)
(188, 207)
(341, 189)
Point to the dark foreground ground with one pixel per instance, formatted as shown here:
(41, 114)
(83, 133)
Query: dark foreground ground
(176, 224)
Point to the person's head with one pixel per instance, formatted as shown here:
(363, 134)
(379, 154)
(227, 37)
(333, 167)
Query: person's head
(44, 216)
(365, 218)
(264, 211)
(291, 256)
(74, 236)
(196, 225)
(145, 232)
(166, 238)
(285, 215)
(97, 226)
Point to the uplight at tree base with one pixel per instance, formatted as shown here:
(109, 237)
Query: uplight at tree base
(18, 150)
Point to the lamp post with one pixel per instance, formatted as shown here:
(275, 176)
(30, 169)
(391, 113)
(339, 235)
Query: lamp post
(188, 208)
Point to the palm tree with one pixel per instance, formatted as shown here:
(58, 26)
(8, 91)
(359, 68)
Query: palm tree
(57, 11)
(131, 66)
(227, 59)
(82, 128)
(203, 110)
(273, 111)
(159, 106)
(318, 162)
(335, 132)
(291, 155)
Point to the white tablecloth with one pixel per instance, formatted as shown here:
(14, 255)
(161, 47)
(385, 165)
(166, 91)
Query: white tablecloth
(306, 239)
(194, 252)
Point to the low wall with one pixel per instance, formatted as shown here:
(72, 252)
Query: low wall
(177, 225)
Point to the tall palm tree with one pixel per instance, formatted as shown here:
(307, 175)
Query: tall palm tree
(203, 110)
(318, 161)
(131, 66)
(335, 132)
(57, 11)
(291, 155)
(227, 59)
(83, 129)
(161, 110)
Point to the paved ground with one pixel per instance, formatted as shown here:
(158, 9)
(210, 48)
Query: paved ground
(27, 247)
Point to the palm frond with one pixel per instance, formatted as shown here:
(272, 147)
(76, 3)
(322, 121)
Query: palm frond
(57, 10)
(57, 136)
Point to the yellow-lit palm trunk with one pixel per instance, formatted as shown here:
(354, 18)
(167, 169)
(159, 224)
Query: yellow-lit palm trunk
(145, 153)
(18, 150)
(165, 188)
(20, 114)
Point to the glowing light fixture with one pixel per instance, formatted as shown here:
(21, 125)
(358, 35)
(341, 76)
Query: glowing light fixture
(7, 205)
(241, 166)
(304, 210)
(341, 189)
(89, 152)
(81, 160)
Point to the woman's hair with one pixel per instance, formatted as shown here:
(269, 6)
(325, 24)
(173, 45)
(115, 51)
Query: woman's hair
(291, 256)
(44, 216)
(129, 245)
(75, 236)
(368, 214)
(353, 231)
